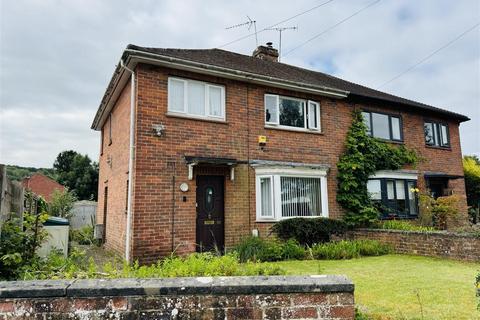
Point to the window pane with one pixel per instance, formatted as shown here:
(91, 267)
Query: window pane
(395, 128)
(266, 197)
(176, 98)
(401, 200)
(374, 189)
(390, 190)
(429, 138)
(196, 98)
(436, 140)
(412, 202)
(445, 139)
(292, 113)
(380, 126)
(313, 115)
(366, 120)
(271, 114)
(301, 197)
(215, 101)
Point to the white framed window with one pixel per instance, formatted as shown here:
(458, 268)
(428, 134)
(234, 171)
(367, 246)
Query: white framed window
(291, 113)
(284, 193)
(196, 99)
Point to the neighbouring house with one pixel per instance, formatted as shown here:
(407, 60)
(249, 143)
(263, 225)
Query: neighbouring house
(41, 185)
(200, 148)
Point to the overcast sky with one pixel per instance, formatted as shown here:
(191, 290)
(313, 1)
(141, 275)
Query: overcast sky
(56, 57)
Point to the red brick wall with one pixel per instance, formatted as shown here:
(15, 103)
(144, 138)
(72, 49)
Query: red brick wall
(115, 175)
(42, 185)
(431, 244)
(160, 158)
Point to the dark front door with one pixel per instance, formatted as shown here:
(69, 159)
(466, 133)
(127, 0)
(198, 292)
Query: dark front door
(210, 215)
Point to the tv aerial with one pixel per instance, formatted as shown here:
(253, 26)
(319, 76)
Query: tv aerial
(248, 23)
(280, 30)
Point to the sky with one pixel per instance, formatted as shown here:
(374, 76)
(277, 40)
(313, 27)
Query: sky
(57, 57)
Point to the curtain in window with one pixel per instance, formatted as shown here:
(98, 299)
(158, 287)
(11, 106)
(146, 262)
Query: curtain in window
(215, 100)
(300, 197)
(196, 98)
(266, 197)
(176, 95)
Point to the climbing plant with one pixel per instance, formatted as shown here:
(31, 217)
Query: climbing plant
(362, 157)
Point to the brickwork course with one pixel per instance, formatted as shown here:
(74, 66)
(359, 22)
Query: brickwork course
(310, 297)
(430, 244)
(163, 217)
(42, 185)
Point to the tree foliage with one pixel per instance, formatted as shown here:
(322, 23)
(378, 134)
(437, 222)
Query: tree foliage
(18, 173)
(61, 204)
(471, 169)
(78, 173)
(362, 157)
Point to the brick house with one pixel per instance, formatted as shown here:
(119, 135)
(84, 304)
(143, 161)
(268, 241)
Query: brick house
(42, 185)
(211, 146)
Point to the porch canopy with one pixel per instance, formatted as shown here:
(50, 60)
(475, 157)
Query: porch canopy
(192, 161)
(441, 175)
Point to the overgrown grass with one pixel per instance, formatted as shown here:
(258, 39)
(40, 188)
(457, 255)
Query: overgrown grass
(403, 225)
(386, 287)
(350, 249)
(76, 266)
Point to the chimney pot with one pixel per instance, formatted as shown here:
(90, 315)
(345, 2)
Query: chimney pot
(267, 52)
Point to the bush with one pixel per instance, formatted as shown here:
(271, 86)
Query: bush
(308, 231)
(83, 236)
(477, 284)
(62, 203)
(19, 241)
(194, 265)
(349, 249)
(403, 225)
(441, 210)
(257, 249)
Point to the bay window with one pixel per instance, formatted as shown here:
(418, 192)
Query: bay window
(293, 113)
(196, 99)
(436, 134)
(288, 194)
(383, 126)
(394, 195)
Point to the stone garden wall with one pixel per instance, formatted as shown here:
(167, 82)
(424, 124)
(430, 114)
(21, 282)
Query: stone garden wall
(275, 297)
(432, 244)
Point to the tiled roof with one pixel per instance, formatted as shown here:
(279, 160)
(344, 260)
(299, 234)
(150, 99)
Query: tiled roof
(236, 61)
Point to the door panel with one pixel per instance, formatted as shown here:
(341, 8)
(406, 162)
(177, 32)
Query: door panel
(210, 213)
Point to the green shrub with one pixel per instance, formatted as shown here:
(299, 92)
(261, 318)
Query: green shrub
(403, 225)
(349, 249)
(257, 249)
(83, 236)
(308, 231)
(194, 265)
(477, 285)
(19, 241)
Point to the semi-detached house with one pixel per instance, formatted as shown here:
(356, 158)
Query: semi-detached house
(200, 148)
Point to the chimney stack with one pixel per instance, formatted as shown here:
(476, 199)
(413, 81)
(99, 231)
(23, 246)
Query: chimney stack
(267, 52)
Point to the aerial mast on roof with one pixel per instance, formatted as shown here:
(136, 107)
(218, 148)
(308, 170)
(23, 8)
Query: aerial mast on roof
(248, 23)
(280, 30)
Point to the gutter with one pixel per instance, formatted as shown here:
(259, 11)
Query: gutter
(130, 162)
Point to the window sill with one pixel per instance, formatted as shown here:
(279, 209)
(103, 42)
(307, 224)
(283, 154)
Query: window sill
(390, 141)
(438, 147)
(299, 130)
(192, 117)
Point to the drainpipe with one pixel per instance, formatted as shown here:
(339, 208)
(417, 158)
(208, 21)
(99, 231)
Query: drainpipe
(130, 162)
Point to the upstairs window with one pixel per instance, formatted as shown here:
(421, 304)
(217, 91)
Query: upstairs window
(383, 126)
(196, 99)
(436, 134)
(292, 113)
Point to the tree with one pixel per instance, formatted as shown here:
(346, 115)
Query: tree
(471, 171)
(78, 173)
(61, 204)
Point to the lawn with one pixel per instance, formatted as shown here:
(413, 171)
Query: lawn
(400, 286)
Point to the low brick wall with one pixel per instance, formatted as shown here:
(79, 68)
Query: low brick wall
(432, 244)
(275, 297)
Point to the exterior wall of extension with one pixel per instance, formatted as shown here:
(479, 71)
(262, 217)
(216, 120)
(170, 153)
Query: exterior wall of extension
(160, 207)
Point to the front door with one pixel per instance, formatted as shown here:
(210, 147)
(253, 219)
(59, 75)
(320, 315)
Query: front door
(210, 215)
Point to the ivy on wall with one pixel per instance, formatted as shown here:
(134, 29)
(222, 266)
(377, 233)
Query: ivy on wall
(362, 157)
